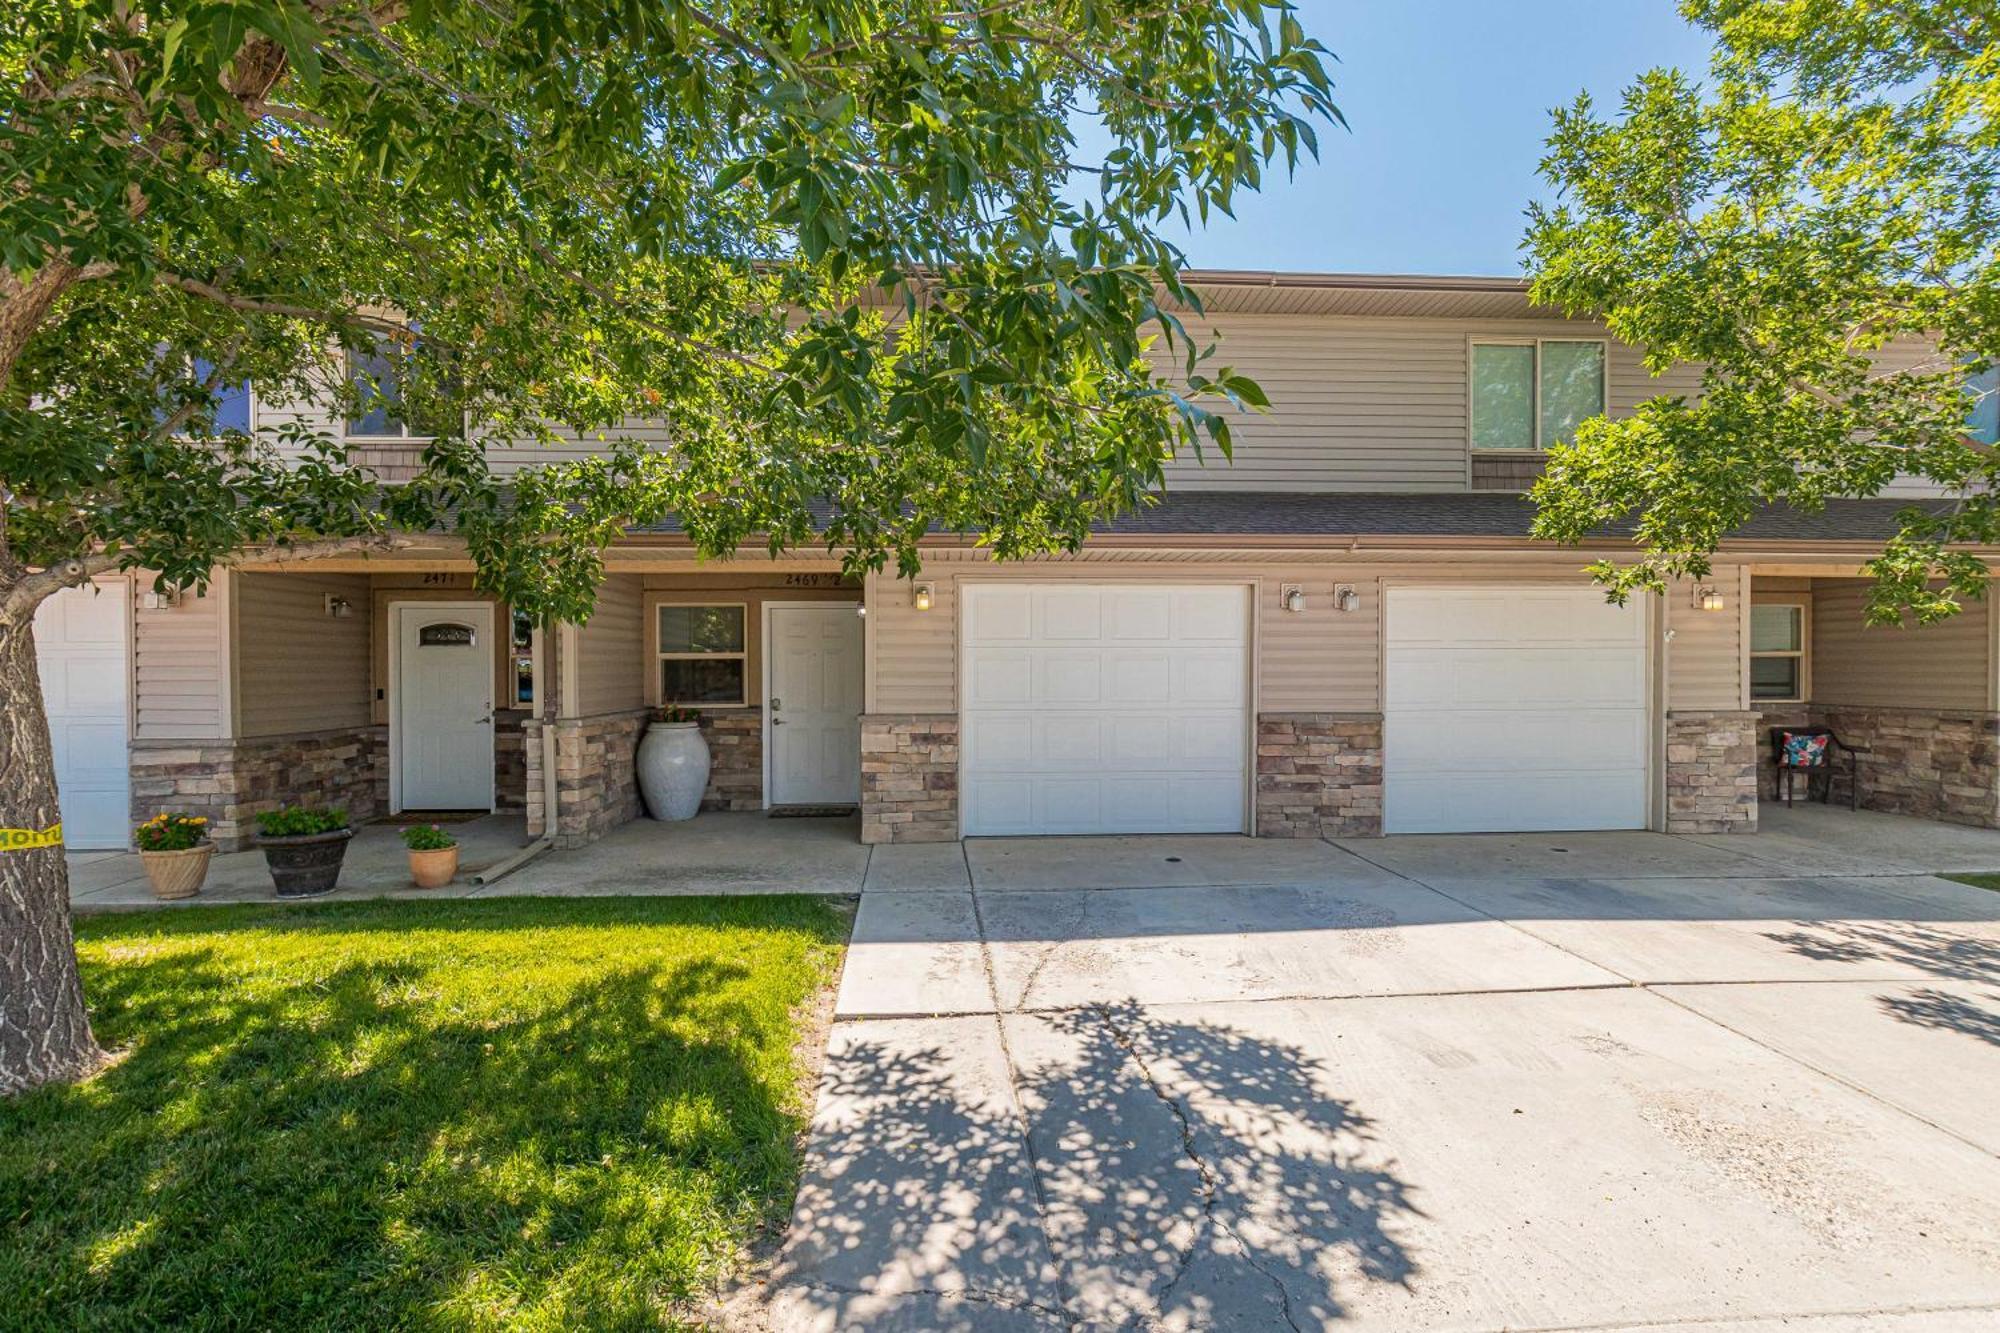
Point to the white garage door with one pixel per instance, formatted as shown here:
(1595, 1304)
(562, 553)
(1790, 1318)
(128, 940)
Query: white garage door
(1096, 708)
(1513, 711)
(80, 645)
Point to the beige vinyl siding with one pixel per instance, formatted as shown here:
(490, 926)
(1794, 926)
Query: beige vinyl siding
(610, 650)
(1372, 404)
(298, 668)
(1948, 665)
(1318, 660)
(180, 665)
(1707, 662)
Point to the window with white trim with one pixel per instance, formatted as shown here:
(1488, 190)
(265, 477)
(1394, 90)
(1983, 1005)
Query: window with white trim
(1982, 413)
(1778, 652)
(1531, 393)
(703, 655)
(375, 377)
(524, 657)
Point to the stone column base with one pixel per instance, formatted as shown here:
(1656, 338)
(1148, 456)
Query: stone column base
(909, 777)
(735, 739)
(597, 784)
(231, 782)
(1712, 772)
(1319, 775)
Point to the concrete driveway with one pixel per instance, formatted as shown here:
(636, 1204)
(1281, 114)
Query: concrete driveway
(1560, 1081)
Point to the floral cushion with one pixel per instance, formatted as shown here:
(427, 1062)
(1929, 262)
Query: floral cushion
(1804, 751)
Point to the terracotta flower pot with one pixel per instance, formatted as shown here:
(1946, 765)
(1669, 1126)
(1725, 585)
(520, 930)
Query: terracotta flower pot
(435, 868)
(307, 863)
(177, 874)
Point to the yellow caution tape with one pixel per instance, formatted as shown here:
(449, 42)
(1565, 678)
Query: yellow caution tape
(27, 839)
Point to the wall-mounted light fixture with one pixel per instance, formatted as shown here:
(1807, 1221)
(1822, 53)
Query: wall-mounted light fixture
(861, 609)
(338, 607)
(1292, 597)
(1345, 598)
(922, 595)
(1709, 599)
(156, 600)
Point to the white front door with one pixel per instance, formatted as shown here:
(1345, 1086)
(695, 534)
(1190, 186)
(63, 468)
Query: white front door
(443, 714)
(1513, 710)
(814, 705)
(1105, 708)
(81, 647)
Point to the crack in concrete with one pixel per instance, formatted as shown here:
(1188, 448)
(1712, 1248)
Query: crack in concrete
(1210, 1182)
(1020, 1112)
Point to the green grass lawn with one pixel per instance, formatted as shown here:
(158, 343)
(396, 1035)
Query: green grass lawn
(531, 1112)
(1989, 879)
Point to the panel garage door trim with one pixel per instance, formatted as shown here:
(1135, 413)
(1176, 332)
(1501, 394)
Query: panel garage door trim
(1514, 709)
(83, 649)
(1092, 707)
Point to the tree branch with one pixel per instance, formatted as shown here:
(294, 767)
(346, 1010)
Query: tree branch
(20, 601)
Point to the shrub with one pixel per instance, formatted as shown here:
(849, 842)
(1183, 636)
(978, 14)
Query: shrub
(170, 833)
(675, 713)
(427, 838)
(296, 821)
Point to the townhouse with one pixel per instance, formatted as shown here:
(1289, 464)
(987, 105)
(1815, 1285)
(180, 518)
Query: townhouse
(1347, 631)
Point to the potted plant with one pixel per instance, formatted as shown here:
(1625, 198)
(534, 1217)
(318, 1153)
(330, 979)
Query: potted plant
(433, 855)
(673, 763)
(174, 849)
(304, 846)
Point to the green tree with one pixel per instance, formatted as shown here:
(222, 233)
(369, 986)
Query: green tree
(1824, 205)
(841, 247)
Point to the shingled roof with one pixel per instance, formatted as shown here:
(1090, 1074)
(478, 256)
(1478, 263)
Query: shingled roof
(1322, 515)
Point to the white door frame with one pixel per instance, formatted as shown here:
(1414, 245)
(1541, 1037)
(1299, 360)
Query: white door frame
(395, 688)
(1253, 694)
(764, 677)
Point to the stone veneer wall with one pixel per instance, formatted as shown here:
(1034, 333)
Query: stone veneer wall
(597, 786)
(1712, 772)
(230, 782)
(735, 739)
(1319, 775)
(1932, 763)
(909, 777)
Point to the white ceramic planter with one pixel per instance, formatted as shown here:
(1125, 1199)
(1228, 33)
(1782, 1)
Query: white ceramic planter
(673, 769)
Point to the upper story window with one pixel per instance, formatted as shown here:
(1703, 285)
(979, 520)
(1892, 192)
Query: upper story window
(1982, 417)
(1532, 393)
(378, 394)
(232, 401)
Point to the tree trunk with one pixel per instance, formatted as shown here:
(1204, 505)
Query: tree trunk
(45, 1032)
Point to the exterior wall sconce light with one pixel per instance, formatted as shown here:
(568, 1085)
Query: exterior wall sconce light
(1292, 597)
(154, 600)
(1708, 599)
(338, 607)
(861, 609)
(922, 596)
(1345, 598)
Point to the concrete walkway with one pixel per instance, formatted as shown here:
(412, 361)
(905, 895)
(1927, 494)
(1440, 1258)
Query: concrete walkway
(1524, 1082)
(711, 853)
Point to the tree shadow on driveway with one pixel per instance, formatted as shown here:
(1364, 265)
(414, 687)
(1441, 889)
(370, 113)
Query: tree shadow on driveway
(1108, 1164)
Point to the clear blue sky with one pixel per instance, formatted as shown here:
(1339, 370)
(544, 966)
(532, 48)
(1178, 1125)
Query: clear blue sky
(1448, 106)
